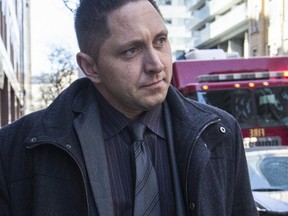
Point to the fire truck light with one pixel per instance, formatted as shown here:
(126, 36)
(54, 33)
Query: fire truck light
(251, 85)
(237, 85)
(205, 87)
(266, 83)
(243, 76)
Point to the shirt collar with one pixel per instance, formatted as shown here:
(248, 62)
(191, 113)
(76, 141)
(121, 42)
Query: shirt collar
(153, 120)
(114, 121)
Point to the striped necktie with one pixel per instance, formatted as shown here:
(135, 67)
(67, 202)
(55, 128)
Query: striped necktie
(146, 201)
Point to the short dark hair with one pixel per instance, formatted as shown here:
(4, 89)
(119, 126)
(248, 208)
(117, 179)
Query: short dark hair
(91, 24)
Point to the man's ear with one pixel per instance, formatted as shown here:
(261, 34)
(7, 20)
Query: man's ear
(88, 66)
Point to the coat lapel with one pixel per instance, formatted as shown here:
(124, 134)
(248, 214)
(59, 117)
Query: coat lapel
(178, 194)
(88, 128)
(184, 126)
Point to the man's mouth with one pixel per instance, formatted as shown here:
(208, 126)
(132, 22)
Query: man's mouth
(154, 83)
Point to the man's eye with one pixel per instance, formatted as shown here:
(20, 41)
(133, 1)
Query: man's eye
(161, 41)
(130, 51)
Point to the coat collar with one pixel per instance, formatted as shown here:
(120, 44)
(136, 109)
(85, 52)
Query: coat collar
(191, 119)
(188, 113)
(51, 125)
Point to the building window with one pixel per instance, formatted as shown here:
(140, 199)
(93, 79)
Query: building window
(254, 52)
(164, 2)
(168, 21)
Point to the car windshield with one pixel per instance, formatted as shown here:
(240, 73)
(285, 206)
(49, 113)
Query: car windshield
(268, 173)
(262, 106)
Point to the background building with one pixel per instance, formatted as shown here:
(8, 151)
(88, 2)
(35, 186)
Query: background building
(175, 14)
(249, 27)
(14, 59)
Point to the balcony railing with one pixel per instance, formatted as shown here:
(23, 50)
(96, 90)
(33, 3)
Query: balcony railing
(209, 11)
(221, 25)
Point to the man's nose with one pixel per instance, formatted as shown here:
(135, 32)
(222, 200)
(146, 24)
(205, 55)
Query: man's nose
(152, 61)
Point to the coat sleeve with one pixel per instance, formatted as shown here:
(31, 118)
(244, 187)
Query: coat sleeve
(243, 203)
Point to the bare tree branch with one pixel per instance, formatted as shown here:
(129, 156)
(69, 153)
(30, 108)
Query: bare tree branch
(71, 4)
(62, 73)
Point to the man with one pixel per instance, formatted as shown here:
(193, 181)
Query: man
(77, 156)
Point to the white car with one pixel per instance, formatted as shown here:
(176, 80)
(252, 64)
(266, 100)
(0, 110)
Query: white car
(268, 171)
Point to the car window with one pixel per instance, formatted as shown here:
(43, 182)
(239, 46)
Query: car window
(275, 170)
(268, 173)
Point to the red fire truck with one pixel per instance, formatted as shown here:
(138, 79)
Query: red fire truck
(254, 91)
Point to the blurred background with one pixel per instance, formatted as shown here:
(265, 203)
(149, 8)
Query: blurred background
(38, 45)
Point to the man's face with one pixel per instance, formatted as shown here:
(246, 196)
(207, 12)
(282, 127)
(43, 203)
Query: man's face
(135, 63)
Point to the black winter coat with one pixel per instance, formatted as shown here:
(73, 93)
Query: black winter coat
(43, 172)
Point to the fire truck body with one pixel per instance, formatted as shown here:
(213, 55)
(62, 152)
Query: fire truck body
(254, 91)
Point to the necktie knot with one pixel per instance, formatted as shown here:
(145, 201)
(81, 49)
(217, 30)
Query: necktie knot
(137, 130)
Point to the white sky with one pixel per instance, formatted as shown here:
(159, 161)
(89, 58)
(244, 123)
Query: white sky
(51, 26)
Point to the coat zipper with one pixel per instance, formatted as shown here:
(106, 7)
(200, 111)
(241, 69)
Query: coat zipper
(76, 161)
(189, 159)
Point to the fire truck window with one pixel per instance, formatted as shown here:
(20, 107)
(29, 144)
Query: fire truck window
(272, 106)
(235, 101)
